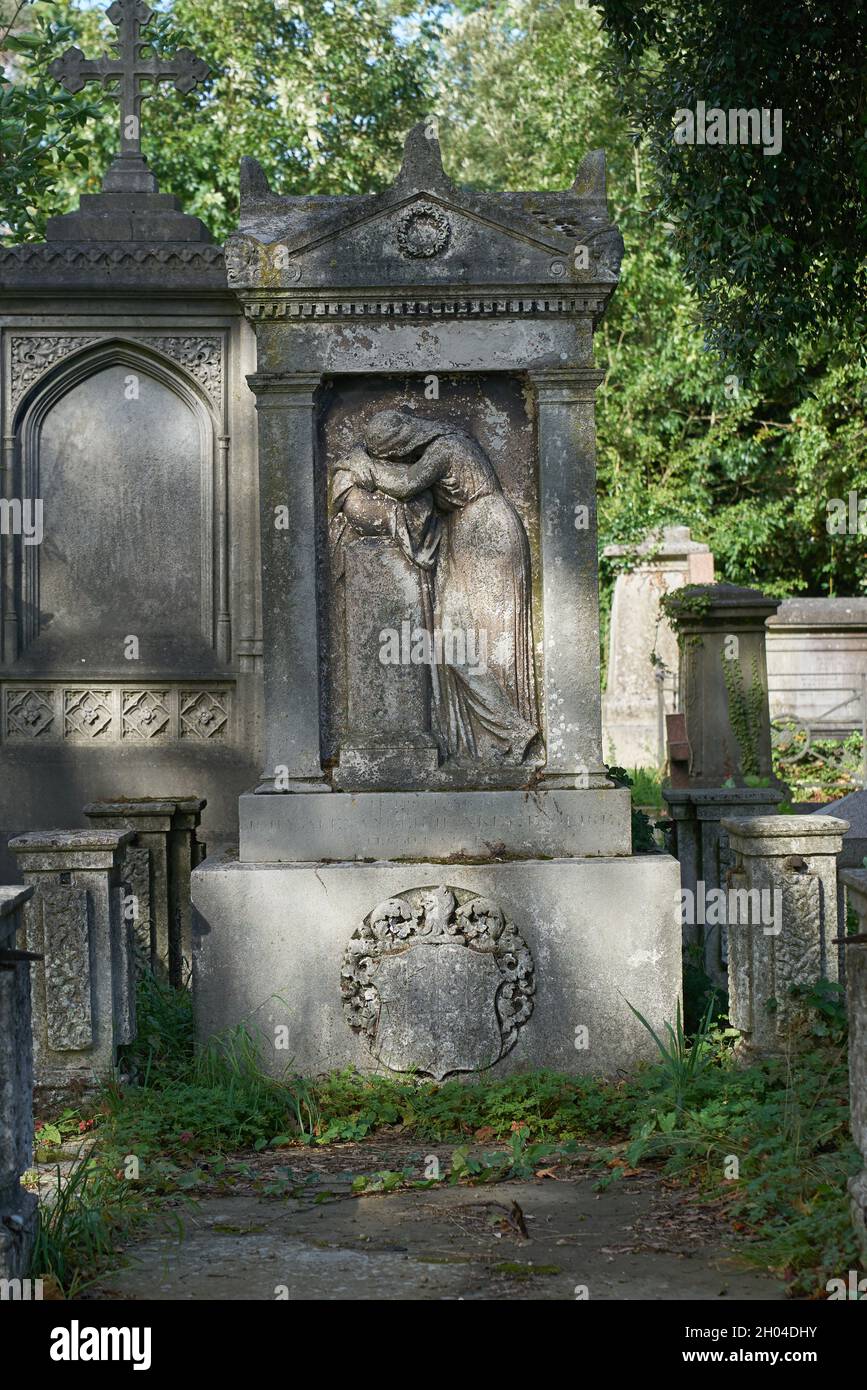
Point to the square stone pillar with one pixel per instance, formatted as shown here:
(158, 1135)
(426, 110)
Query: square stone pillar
(158, 865)
(855, 881)
(17, 1207)
(571, 689)
(791, 862)
(288, 528)
(83, 992)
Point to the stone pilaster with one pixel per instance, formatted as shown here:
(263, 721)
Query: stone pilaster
(7, 547)
(571, 692)
(158, 865)
(286, 410)
(789, 866)
(17, 1207)
(856, 996)
(83, 991)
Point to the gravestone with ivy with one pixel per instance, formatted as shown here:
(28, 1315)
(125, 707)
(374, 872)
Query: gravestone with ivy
(723, 696)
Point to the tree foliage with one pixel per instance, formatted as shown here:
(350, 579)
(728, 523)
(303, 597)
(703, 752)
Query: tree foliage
(774, 245)
(44, 134)
(748, 463)
(321, 91)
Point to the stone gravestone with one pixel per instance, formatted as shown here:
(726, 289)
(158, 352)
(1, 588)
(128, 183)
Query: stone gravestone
(642, 647)
(435, 871)
(817, 666)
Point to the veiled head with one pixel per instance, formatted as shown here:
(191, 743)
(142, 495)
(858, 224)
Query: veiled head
(397, 435)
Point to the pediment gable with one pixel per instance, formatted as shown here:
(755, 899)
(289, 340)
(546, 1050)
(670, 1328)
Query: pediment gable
(424, 232)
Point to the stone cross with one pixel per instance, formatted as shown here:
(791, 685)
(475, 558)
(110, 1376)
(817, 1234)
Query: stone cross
(127, 67)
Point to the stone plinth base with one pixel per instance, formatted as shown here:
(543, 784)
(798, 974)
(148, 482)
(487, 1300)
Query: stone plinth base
(536, 957)
(444, 826)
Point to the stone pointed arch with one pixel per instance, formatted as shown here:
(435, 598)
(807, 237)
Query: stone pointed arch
(196, 421)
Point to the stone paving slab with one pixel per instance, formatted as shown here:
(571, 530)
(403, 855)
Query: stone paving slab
(637, 1240)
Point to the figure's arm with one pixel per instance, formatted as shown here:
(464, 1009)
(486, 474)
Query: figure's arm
(406, 480)
(357, 465)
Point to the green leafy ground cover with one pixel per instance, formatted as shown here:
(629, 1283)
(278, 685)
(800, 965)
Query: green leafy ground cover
(188, 1119)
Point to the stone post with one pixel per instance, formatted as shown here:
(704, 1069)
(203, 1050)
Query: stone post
(788, 866)
(83, 992)
(723, 695)
(287, 503)
(856, 996)
(158, 865)
(565, 405)
(17, 1207)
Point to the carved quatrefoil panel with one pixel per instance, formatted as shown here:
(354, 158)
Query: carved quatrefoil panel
(111, 714)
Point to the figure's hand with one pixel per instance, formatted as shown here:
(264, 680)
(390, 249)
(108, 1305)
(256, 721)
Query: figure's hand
(360, 466)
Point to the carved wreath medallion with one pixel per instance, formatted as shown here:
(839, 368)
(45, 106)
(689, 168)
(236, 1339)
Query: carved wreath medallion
(437, 981)
(423, 231)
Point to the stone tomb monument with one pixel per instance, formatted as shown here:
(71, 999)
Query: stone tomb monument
(435, 872)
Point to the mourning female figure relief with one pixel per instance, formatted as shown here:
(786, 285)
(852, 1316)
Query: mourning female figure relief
(430, 486)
